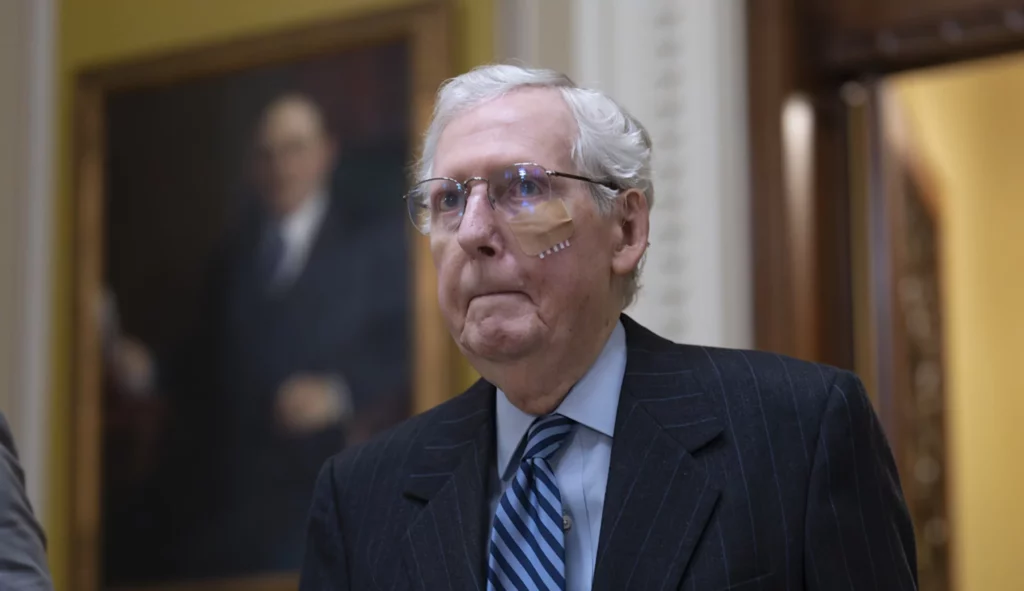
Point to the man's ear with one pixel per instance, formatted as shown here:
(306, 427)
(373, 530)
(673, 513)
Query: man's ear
(633, 232)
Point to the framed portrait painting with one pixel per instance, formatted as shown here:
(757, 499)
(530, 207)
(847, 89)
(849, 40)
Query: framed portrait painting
(251, 298)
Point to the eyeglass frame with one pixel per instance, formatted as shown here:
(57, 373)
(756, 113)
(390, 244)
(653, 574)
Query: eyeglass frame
(465, 188)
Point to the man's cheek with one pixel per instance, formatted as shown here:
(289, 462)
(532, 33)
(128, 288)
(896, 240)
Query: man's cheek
(449, 301)
(437, 254)
(543, 229)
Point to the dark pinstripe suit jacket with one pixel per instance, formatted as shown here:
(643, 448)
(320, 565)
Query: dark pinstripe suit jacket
(729, 470)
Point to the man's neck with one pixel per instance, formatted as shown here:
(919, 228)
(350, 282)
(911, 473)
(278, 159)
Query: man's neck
(539, 383)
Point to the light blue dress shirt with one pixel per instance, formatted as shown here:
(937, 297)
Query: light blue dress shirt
(581, 465)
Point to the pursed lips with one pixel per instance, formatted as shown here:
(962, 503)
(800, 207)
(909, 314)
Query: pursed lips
(496, 293)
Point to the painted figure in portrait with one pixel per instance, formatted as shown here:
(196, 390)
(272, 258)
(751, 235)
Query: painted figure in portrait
(257, 310)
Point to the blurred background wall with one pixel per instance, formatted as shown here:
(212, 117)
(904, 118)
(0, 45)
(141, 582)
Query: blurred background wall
(968, 124)
(27, 48)
(12, 66)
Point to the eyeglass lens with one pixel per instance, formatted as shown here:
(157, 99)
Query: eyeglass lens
(440, 203)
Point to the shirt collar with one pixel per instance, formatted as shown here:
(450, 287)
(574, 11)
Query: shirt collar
(299, 226)
(592, 402)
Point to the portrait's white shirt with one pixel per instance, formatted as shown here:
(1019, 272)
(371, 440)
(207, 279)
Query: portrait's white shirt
(299, 230)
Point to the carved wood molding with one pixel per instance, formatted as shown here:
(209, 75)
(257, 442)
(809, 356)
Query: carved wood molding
(952, 37)
(667, 278)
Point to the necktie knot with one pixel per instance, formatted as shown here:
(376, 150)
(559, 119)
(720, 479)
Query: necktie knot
(546, 436)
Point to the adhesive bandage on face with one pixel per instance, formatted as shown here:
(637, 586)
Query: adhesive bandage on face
(543, 228)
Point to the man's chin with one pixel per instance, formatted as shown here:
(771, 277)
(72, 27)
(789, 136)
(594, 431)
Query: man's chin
(496, 342)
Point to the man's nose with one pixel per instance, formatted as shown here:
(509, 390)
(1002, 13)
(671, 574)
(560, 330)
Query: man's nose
(479, 234)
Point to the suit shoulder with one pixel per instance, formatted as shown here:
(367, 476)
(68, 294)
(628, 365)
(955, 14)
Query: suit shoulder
(391, 449)
(774, 377)
(385, 446)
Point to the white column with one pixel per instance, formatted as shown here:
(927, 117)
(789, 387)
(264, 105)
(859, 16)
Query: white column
(27, 42)
(680, 67)
(11, 65)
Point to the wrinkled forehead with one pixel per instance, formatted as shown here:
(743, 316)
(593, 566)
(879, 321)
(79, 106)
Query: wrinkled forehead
(527, 125)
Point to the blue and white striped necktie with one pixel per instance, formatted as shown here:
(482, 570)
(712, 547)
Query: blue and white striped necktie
(527, 549)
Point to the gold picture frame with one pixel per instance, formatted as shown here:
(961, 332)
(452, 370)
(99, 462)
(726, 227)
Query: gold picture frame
(424, 29)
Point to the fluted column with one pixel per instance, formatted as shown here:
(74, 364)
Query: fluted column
(679, 66)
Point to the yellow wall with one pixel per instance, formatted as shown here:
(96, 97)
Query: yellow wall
(969, 120)
(95, 32)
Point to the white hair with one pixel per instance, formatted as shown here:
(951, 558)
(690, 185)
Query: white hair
(610, 143)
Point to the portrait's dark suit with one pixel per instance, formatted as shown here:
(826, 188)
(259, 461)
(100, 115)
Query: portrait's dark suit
(729, 470)
(344, 316)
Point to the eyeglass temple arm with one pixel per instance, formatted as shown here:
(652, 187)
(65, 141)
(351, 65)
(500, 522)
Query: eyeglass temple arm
(609, 184)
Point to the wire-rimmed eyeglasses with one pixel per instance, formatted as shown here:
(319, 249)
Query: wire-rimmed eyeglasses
(439, 203)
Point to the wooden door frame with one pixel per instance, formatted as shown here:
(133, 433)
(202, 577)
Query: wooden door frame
(799, 268)
(804, 298)
(804, 309)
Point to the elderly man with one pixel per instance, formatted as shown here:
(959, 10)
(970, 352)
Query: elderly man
(23, 565)
(593, 453)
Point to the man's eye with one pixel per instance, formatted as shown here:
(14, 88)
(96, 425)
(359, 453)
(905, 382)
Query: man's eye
(525, 188)
(449, 201)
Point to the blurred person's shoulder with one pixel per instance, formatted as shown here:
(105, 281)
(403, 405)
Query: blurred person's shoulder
(11, 468)
(23, 561)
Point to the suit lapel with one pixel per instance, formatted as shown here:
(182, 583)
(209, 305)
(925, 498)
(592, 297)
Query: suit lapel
(321, 260)
(444, 544)
(659, 498)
